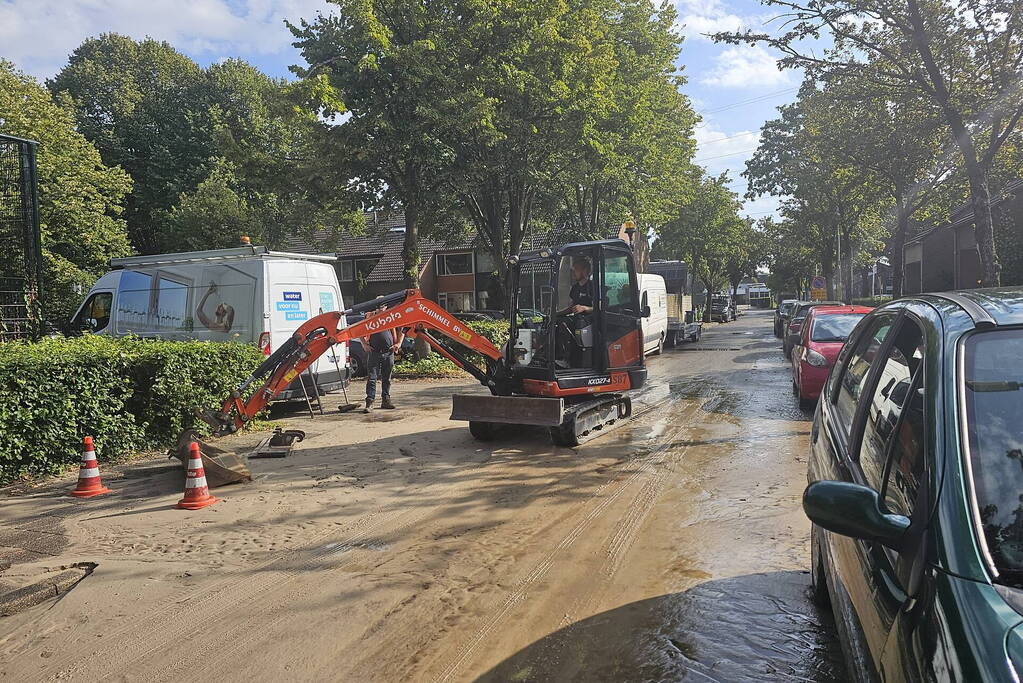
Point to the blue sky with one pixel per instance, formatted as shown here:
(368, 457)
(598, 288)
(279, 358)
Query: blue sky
(735, 88)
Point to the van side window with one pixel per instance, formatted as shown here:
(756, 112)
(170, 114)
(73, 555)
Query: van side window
(133, 301)
(887, 418)
(854, 373)
(96, 308)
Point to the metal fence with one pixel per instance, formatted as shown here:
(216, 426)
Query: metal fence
(21, 264)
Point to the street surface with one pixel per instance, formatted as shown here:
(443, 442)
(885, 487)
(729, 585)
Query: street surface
(393, 546)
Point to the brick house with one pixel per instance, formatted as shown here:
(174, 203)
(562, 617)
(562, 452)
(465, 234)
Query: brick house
(456, 275)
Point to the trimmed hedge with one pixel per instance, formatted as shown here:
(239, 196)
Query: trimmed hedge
(128, 394)
(436, 366)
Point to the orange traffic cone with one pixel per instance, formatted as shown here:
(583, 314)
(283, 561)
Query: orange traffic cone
(197, 493)
(89, 483)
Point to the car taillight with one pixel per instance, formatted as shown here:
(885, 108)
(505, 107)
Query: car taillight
(264, 343)
(813, 358)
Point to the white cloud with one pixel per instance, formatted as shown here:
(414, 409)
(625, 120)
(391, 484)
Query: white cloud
(696, 18)
(745, 67)
(38, 35)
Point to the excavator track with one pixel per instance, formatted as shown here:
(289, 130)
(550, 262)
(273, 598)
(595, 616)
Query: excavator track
(590, 419)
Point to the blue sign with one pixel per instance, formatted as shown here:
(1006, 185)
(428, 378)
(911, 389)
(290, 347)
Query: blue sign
(326, 301)
(292, 296)
(296, 315)
(288, 305)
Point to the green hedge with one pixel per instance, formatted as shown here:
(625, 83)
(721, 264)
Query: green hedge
(436, 366)
(128, 394)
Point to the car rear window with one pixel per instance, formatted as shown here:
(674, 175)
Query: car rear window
(993, 378)
(834, 328)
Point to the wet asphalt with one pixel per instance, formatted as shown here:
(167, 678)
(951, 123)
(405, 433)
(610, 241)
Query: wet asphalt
(740, 608)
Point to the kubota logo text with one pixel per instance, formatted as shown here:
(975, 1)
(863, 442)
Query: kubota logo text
(380, 322)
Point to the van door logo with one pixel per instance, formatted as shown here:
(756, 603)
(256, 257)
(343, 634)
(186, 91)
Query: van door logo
(292, 296)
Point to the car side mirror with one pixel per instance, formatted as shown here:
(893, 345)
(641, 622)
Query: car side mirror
(853, 510)
(645, 312)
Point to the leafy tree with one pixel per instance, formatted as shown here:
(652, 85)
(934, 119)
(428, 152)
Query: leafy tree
(390, 71)
(748, 252)
(136, 102)
(80, 198)
(707, 233)
(963, 57)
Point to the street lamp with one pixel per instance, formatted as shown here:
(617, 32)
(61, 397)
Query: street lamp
(630, 229)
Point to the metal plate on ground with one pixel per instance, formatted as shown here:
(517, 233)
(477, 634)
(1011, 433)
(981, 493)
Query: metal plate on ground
(522, 410)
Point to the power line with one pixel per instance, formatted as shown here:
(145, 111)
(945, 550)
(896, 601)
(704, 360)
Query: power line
(743, 103)
(722, 156)
(731, 137)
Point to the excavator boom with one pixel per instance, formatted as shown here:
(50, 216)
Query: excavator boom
(405, 309)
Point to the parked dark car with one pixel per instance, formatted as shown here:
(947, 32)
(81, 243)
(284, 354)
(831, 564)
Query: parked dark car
(722, 308)
(795, 322)
(781, 315)
(915, 490)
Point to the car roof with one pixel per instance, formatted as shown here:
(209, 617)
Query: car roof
(830, 309)
(992, 306)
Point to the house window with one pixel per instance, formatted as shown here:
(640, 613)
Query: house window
(484, 263)
(361, 266)
(456, 302)
(454, 264)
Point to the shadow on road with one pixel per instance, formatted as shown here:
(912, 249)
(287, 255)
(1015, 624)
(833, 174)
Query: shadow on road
(757, 627)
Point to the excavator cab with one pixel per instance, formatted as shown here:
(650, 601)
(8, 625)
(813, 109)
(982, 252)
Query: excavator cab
(575, 320)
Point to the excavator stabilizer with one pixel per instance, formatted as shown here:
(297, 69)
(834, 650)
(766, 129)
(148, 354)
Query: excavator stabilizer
(221, 467)
(520, 410)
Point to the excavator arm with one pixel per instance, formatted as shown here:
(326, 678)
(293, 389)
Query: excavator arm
(405, 309)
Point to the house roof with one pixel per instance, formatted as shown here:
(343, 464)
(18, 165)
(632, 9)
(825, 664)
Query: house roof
(384, 238)
(963, 215)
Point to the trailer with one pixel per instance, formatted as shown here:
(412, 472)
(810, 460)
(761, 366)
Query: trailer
(682, 322)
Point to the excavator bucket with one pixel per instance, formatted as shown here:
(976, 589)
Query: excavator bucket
(522, 410)
(222, 467)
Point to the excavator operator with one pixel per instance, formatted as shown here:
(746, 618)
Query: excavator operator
(574, 330)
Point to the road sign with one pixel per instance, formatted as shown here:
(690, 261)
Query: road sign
(818, 282)
(818, 294)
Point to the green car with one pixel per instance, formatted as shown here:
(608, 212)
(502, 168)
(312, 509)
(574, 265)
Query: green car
(916, 490)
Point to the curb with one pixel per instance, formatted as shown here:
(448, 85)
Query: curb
(20, 599)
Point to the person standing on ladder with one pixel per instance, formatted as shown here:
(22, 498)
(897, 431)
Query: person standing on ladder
(380, 349)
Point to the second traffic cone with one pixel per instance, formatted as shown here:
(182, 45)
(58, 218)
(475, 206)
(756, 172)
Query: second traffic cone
(197, 492)
(89, 483)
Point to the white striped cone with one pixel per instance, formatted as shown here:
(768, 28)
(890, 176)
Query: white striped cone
(89, 483)
(197, 492)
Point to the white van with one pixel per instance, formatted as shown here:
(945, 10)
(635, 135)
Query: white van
(653, 293)
(247, 294)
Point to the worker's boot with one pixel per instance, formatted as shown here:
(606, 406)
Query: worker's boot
(386, 403)
(369, 406)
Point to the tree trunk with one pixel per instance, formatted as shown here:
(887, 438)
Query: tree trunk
(706, 301)
(410, 256)
(828, 270)
(984, 228)
(896, 256)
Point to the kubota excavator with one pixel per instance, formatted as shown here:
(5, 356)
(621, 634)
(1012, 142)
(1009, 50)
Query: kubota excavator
(575, 346)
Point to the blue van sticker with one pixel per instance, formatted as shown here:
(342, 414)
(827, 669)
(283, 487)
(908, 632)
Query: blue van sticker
(292, 296)
(296, 315)
(288, 306)
(326, 301)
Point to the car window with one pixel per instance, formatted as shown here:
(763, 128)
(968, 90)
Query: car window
(96, 308)
(833, 328)
(854, 372)
(993, 378)
(894, 424)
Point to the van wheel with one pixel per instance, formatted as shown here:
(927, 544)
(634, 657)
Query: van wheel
(672, 339)
(356, 365)
(660, 346)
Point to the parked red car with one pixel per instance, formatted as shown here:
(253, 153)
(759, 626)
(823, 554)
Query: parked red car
(824, 331)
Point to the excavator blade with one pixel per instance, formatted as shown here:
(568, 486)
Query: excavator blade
(221, 467)
(521, 410)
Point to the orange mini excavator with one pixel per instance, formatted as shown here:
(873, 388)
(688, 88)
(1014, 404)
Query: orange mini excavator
(575, 346)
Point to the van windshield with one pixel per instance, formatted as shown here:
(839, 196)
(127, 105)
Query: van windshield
(994, 418)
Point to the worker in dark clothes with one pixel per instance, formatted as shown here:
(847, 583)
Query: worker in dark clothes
(581, 293)
(380, 349)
